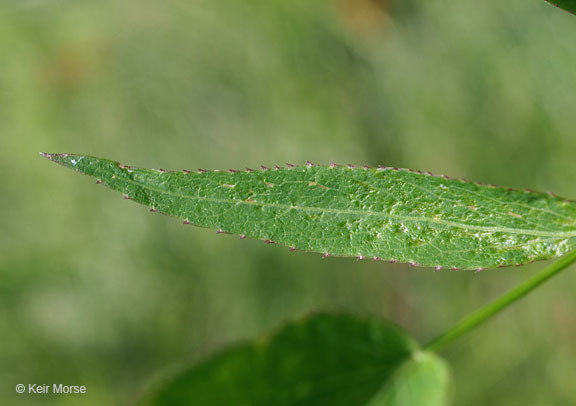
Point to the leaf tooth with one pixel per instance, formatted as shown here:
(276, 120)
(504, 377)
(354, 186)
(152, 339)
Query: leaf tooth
(126, 167)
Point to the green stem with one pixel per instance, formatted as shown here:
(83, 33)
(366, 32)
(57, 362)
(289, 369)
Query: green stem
(476, 318)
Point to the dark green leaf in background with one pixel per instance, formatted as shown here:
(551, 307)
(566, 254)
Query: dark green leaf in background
(569, 5)
(334, 360)
(382, 213)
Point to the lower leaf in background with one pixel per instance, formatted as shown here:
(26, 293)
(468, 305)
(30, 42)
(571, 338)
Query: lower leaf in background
(324, 359)
(422, 380)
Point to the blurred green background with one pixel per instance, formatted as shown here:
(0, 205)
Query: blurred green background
(97, 291)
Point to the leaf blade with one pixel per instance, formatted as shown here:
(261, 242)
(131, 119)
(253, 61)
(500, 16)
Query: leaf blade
(422, 380)
(568, 5)
(386, 213)
(325, 359)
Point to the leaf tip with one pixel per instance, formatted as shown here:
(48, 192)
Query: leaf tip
(53, 157)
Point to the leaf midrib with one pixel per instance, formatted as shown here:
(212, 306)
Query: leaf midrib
(465, 227)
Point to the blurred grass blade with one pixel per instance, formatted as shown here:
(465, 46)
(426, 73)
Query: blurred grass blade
(422, 380)
(383, 213)
(569, 5)
(334, 360)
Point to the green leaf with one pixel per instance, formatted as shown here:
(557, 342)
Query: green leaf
(569, 5)
(422, 380)
(383, 213)
(334, 360)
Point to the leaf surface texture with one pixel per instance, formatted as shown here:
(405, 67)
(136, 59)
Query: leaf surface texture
(391, 214)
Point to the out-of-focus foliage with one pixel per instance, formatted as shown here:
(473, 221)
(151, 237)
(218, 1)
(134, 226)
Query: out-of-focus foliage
(100, 294)
(422, 380)
(322, 360)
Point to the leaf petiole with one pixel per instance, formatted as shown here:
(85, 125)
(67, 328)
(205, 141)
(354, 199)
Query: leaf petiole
(491, 309)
